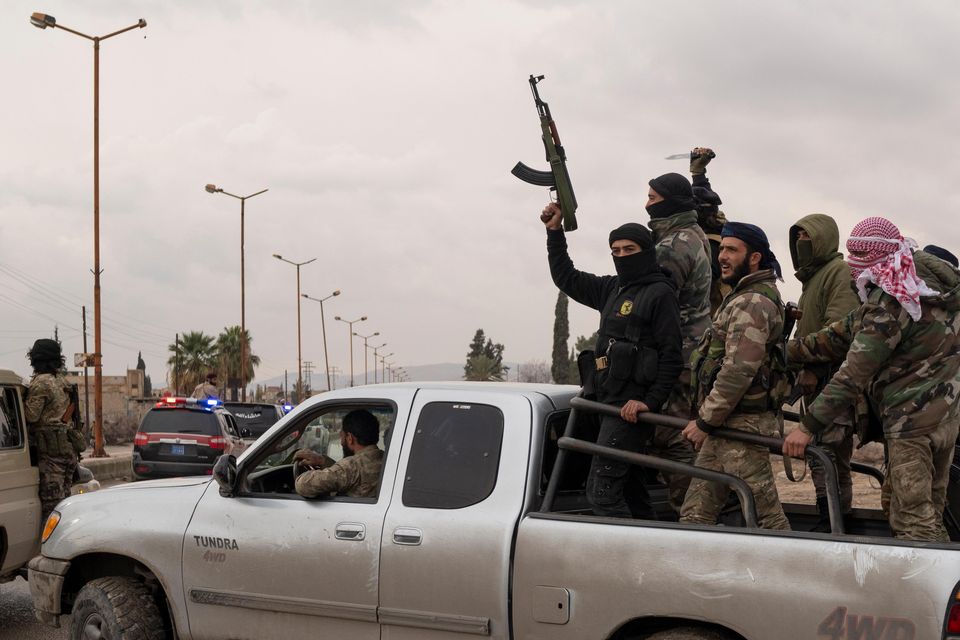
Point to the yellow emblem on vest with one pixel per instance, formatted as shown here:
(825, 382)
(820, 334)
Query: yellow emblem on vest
(626, 308)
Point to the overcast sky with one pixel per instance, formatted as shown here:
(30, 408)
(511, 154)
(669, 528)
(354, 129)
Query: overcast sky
(386, 131)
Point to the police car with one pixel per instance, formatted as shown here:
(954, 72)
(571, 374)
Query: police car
(184, 437)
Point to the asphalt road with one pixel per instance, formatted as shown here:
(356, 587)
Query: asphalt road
(16, 610)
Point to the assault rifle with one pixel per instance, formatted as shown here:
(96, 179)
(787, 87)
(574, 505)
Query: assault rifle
(72, 415)
(557, 178)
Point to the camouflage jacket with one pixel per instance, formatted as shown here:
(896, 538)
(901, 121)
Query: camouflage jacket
(909, 369)
(47, 400)
(356, 476)
(205, 390)
(749, 323)
(684, 251)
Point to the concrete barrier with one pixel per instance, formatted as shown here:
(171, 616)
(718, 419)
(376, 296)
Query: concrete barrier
(118, 464)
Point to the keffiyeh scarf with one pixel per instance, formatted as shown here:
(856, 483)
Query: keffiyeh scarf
(884, 258)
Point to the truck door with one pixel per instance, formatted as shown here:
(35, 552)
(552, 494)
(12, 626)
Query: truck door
(268, 563)
(19, 500)
(445, 563)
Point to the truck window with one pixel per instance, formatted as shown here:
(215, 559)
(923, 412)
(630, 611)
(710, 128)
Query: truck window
(11, 435)
(454, 457)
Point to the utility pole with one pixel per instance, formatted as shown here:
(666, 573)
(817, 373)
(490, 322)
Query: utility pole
(86, 386)
(176, 365)
(335, 371)
(286, 389)
(307, 371)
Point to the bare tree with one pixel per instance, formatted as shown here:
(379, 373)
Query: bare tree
(533, 371)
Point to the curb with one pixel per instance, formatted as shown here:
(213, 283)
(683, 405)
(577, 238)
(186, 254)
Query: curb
(111, 468)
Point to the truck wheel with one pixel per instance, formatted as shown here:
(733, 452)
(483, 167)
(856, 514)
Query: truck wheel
(116, 608)
(688, 633)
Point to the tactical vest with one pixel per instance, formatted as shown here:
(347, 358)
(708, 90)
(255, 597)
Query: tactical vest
(630, 360)
(769, 387)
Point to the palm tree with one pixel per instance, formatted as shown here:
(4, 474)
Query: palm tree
(229, 358)
(195, 358)
(484, 369)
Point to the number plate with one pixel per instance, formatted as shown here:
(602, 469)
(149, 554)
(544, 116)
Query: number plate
(176, 450)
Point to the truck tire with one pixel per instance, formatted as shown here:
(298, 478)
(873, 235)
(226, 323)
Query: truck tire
(116, 608)
(688, 633)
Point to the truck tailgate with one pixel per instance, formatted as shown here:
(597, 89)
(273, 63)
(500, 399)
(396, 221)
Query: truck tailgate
(760, 584)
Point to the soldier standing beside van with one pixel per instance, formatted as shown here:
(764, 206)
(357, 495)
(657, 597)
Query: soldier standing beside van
(637, 354)
(47, 404)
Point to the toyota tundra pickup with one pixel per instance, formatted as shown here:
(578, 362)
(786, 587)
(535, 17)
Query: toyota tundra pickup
(480, 528)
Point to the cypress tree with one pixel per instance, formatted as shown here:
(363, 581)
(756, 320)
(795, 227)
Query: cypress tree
(560, 367)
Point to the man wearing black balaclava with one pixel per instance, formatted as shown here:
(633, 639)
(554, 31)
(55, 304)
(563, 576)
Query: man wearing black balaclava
(637, 358)
(683, 250)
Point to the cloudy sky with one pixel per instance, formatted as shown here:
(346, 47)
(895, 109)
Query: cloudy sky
(385, 132)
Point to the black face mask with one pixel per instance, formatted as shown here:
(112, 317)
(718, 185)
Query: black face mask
(661, 209)
(635, 266)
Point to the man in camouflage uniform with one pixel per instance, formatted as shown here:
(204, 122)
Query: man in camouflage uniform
(710, 219)
(826, 298)
(683, 250)
(47, 404)
(357, 474)
(902, 347)
(733, 373)
(207, 388)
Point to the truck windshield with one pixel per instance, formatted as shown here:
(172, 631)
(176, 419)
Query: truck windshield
(176, 421)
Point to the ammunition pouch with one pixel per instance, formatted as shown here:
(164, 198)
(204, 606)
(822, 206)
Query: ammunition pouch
(53, 441)
(77, 441)
(587, 368)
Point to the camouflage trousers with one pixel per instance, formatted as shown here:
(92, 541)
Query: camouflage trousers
(837, 442)
(671, 445)
(616, 489)
(915, 489)
(750, 463)
(56, 478)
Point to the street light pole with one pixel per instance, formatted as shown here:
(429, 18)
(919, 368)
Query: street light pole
(42, 21)
(323, 328)
(383, 367)
(350, 336)
(299, 351)
(375, 360)
(212, 188)
(366, 356)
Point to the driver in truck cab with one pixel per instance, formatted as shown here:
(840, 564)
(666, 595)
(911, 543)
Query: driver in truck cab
(357, 474)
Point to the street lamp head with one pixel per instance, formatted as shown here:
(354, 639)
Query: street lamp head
(376, 333)
(141, 23)
(337, 318)
(212, 188)
(337, 292)
(362, 318)
(278, 256)
(42, 20)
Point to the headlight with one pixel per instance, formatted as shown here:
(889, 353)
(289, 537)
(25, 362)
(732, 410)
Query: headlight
(52, 521)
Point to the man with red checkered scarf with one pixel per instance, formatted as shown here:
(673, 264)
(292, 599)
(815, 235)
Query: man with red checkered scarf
(902, 348)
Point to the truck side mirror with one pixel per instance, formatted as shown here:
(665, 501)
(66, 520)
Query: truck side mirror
(225, 473)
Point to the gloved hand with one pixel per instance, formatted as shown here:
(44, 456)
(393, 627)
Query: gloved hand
(699, 159)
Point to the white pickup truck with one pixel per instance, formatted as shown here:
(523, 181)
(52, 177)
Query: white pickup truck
(480, 528)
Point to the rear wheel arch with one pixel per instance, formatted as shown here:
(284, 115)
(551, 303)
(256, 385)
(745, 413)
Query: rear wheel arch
(657, 628)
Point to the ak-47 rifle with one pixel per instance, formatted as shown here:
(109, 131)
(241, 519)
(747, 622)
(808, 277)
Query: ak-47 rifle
(791, 313)
(558, 179)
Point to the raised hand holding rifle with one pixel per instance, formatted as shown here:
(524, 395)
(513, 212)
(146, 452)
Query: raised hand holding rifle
(558, 179)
